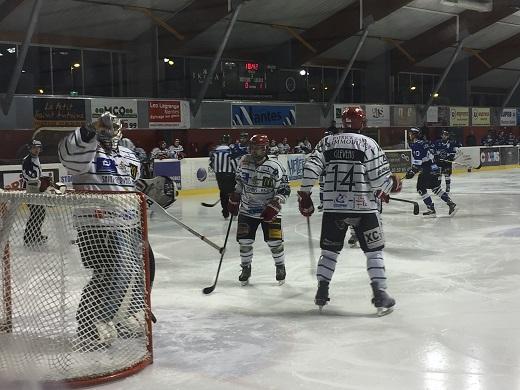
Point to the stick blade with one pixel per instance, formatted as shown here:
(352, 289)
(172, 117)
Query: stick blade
(208, 290)
(416, 209)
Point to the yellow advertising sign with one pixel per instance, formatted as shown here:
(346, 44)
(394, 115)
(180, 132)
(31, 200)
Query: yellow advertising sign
(459, 116)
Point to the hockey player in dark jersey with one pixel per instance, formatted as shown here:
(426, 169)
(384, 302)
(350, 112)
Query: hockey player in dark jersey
(357, 174)
(240, 148)
(445, 150)
(429, 173)
(261, 189)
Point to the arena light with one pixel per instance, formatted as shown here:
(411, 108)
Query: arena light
(170, 62)
(435, 95)
(413, 88)
(41, 91)
(76, 65)
(166, 59)
(303, 72)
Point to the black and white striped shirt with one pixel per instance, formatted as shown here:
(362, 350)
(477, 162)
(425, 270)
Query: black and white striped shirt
(220, 160)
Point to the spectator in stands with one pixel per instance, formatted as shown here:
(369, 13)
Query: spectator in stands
(502, 138)
(284, 147)
(176, 150)
(489, 140)
(161, 152)
(471, 140)
(305, 146)
(273, 148)
(511, 140)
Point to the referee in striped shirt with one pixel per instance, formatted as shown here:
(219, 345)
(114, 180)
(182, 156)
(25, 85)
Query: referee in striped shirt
(224, 166)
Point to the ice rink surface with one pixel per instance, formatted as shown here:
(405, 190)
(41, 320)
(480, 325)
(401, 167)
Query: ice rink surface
(455, 327)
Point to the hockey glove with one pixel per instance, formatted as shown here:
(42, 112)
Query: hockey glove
(383, 196)
(45, 182)
(410, 173)
(397, 183)
(305, 203)
(271, 209)
(233, 203)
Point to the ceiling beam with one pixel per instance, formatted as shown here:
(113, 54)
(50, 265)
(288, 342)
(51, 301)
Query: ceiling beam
(447, 34)
(339, 27)
(66, 40)
(7, 7)
(192, 20)
(495, 56)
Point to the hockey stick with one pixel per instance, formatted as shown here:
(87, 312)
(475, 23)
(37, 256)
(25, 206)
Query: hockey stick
(154, 206)
(311, 248)
(464, 165)
(210, 204)
(415, 204)
(209, 290)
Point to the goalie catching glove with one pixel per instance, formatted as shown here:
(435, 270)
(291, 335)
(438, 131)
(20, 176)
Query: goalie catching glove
(161, 189)
(305, 203)
(272, 209)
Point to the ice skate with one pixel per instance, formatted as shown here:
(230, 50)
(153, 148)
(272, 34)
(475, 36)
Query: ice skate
(383, 302)
(94, 338)
(322, 295)
(431, 213)
(243, 278)
(280, 274)
(353, 240)
(453, 209)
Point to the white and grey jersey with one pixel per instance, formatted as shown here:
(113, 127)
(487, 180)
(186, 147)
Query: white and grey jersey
(94, 169)
(258, 184)
(31, 173)
(354, 166)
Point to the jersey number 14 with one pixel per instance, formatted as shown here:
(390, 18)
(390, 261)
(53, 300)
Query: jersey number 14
(348, 179)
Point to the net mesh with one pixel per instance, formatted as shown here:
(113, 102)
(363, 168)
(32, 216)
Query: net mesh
(73, 285)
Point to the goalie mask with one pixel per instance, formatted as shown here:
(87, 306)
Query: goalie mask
(108, 128)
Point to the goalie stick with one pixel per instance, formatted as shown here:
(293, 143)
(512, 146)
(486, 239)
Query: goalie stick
(210, 204)
(154, 206)
(209, 290)
(415, 204)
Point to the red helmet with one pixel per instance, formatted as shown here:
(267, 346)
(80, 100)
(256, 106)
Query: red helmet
(258, 145)
(354, 118)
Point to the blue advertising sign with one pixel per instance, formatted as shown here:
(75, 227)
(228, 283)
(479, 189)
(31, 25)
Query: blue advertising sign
(260, 115)
(295, 166)
(170, 168)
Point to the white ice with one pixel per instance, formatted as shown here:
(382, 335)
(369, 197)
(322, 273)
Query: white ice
(456, 325)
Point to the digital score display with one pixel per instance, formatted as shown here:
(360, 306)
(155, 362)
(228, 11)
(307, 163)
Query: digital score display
(248, 78)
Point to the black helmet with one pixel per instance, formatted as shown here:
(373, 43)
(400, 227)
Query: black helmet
(34, 143)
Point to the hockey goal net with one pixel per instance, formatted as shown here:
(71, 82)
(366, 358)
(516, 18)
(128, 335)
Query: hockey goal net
(74, 287)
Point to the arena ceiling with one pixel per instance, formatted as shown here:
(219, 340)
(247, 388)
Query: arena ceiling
(416, 35)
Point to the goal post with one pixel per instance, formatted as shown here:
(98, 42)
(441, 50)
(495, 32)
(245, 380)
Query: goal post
(74, 287)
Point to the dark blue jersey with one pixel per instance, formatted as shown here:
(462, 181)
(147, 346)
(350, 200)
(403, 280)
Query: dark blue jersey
(445, 150)
(238, 150)
(422, 154)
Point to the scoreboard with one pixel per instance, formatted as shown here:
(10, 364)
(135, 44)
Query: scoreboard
(248, 79)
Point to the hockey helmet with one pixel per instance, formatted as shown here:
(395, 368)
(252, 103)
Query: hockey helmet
(258, 144)
(34, 144)
(354, 118)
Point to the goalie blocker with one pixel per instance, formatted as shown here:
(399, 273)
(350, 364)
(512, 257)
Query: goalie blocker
(161, 189)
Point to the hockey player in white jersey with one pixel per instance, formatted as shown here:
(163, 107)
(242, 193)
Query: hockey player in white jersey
(96, 162)
(261, 189)
(357, 173)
